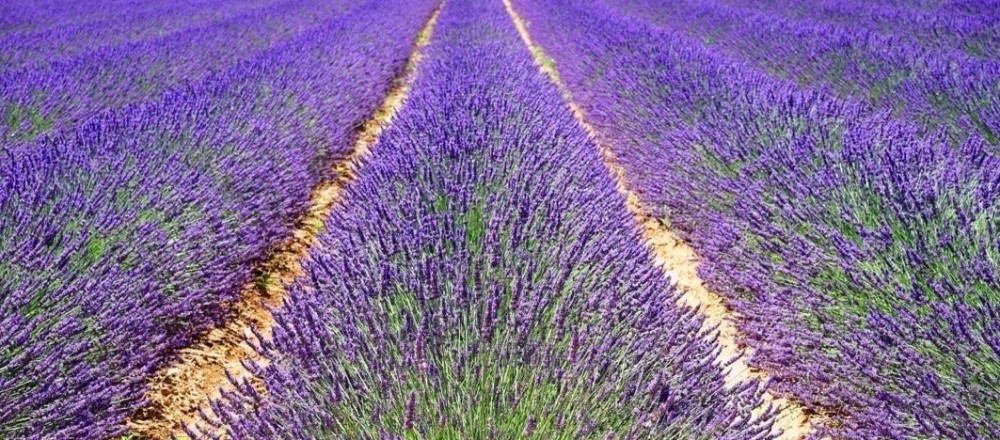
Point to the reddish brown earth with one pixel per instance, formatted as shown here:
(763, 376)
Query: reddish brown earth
(198, 374)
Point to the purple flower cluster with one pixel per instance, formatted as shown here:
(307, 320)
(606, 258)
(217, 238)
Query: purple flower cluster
(861, 250)
(49, 95)
(121, 237)
(940, 87)
(969, 27)
(482, 278)
(40, 32)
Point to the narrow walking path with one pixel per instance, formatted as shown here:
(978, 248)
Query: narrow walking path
(198, 375)
(679, 261)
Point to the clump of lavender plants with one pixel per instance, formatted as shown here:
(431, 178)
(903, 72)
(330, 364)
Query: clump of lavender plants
(859, 245)
(483, 279)
(121, 239)
(943, 78)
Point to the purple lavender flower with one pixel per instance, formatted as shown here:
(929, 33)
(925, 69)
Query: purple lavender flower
(508, 248)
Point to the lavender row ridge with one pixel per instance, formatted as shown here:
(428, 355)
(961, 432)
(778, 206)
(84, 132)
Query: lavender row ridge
(860, 250)
(483, 279)
(122, 240)
(48, 98)
(938, 88)
(47, 33)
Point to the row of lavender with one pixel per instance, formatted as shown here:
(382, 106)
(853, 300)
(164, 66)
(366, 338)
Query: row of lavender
(970, 27)
(861, 250)
(940, 88)
(39, 33)
(45, 98)
(121, 239)
(483, 279)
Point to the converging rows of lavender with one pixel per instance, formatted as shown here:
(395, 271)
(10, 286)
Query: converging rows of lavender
(834, 164)
(851, 220)
(137, 211)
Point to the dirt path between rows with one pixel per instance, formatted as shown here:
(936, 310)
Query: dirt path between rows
(177, 392)
(678, 260)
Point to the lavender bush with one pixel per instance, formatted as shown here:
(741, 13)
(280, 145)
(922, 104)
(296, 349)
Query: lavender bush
(939, 88)
(121, 239)
(41, 32)
(861, 250)
(945, 26)
(45, 97)
(483, 279)
(834, 162)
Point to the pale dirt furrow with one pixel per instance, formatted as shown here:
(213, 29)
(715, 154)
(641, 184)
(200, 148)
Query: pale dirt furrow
(177, 392)
(678, 260)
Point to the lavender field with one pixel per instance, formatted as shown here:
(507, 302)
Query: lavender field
(500, 219)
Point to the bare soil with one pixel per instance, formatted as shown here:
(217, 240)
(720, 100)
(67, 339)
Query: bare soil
(198, 374)
(678, 260)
